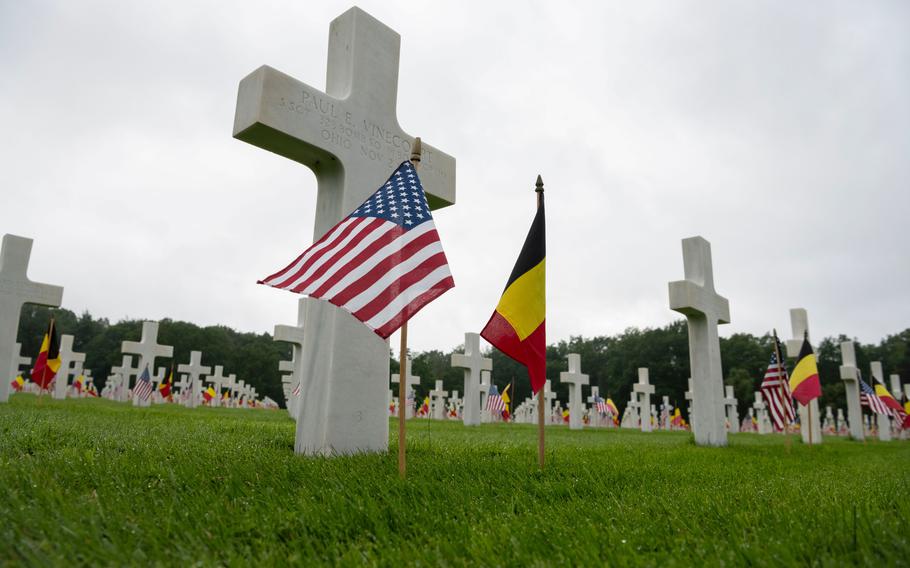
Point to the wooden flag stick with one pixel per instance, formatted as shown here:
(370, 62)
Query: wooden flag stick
(541, 401)
(416, 150)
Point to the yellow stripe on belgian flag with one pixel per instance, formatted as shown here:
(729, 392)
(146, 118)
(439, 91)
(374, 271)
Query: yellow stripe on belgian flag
(804, 382)
(523, 304)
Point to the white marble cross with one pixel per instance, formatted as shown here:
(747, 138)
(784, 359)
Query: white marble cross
(294, 335)
(704, 308)
(883, 420)
(473, 362)
(665, 413)
(689, 395)
(194, 370)
(549, 397)
(148, 350)
(289, 383)
(349, 136)
(895, 386)
(67, 358)
(124, 371)
(575, 379)
(732, 412)
(799, 323)
(484, 388)
(644, 389)
(182, 382)
(411, 381)
(218, 380)
(761, 413)
(437, 396)
(850, 375)
(15, 290)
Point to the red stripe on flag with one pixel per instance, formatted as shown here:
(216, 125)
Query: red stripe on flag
(415, 306)
(388, 237)
(330, 263)
(396, 287)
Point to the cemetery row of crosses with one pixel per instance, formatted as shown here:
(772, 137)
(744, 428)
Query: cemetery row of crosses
(337, 385)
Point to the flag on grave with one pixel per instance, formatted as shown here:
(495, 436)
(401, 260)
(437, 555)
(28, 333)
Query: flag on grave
(143, 387)
(18, 383)
(506, 403)
(897, 411)
(775, 389)
(164, 388)
(208, 394)
(48, 361)
(804, 382)
(382, 263)
(600, 405)
(867, 397)
(518, 324)
(611, 407)
(78, 382)
(495, 404)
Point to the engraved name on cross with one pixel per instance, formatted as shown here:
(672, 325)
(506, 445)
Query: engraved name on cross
(704, 308)
(349, 136)
(15, 290)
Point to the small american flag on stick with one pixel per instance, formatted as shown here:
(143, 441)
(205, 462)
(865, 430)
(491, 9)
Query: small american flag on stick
(382, 263)
(494, 400)
(143, 387)
(775, 388)
(867, 397)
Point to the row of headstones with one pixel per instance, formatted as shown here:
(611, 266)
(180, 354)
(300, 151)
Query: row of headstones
(16, 290)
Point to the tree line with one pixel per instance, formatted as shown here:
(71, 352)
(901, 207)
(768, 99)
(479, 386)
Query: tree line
(612, 362)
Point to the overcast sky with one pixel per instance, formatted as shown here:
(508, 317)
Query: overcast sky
(779, 131)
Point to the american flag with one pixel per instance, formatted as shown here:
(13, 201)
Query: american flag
(494, 400)
(775, 388)
(382, 263)
(143, 387)
(600, 405)
(867, 397)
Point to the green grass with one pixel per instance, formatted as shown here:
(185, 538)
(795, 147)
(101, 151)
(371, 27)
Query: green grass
(96, 482)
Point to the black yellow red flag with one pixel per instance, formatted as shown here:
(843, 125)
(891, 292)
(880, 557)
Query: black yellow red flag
(518, 325)
(804, 381)
(48, 360)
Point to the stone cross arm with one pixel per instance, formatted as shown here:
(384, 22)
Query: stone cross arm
(14, 283)
(289, 334)
(356, 116)
(695, 295)
(848, 371)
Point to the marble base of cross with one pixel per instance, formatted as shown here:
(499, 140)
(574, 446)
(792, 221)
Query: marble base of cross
(850, 375)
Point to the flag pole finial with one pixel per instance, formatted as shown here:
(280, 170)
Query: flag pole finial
(416, 150)
(539, 184)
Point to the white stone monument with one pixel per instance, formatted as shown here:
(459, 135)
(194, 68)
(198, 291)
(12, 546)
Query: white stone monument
(644, 389)
(437, 398)
(484, 389)
(695, 298)
(850, 375)
(883, 420)
(732, 412)
(218, 380)
(294, 335)
(895, 386)
(67, 358)
(148, 349)
(575, 379)
(411, 381)
(549, 398)
(689, 396)
(194, 371)
(15, 291)
(124, 371)
(596, 418)
(799, 322)
(349, 136)
(473, 362)
(761, 414)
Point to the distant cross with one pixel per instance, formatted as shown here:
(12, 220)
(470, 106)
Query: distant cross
(411, 381)
(67, 358)
(473, 362)
(665, 413)
(484, 388)
(883, 420)
(349, 136)
(148, 350)
(592, 400)
(182, 383)
(15, 291)
(850, 375)
(575, 379)
(760, 413)
(218, 380)
(799, 323)
(732, 412)
(194, 370)
(454, 401)
(704, 309)
(644, 389)
(294, 335)
(548, 395)
(689, 395)
(895, 386)
(437, 396)
(124, 371)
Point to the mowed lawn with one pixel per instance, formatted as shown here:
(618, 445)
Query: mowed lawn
(97, 482)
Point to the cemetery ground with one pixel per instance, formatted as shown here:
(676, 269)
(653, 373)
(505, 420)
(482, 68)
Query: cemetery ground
(98, 482)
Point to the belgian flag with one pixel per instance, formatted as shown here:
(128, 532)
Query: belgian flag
(804, 382)
(48, 361)
(164, 388)
(518, 325)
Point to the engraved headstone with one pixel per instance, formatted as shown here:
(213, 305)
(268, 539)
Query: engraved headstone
(704, 309)
(349, 136)
(15, 291)
(473, 362)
